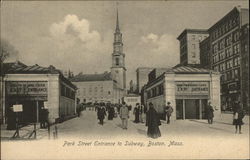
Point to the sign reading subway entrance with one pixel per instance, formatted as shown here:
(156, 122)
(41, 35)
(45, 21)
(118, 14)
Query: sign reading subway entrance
(18, 108)
(192, 88)
(26, 88)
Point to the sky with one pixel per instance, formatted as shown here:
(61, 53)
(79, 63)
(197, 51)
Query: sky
(78, 35)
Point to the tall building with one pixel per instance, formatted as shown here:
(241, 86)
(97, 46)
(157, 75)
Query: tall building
(226, 53)
(142, 77)
(118, 69)
(189, 45)
(244, 42)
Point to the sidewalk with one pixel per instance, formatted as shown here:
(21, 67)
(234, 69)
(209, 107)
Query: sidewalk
(24, 132)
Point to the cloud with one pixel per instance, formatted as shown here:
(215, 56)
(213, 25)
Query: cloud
(160, 45)
(72, 31)
(153, 50)
(79, 47)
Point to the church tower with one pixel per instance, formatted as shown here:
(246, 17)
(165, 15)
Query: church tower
(118, 70)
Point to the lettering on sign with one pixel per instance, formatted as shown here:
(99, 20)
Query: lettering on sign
(26, 88)
(18, 108)
(192, 88)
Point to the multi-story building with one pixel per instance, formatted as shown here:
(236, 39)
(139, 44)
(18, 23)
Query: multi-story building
(226, 53)
(189, 45)
(205, 53)
(96, 88)
(142, 77)
(244, 43)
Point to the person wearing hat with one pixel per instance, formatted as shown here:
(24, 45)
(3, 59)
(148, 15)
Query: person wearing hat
(169, 110)
(101, 113)
(153, 122)
(210, 113)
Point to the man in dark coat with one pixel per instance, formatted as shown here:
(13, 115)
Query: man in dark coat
(101, 113)
(153, 122)
(111, 113)
(136, 113)
(210, 113)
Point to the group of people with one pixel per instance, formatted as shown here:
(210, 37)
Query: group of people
(101, 112)
(238, 115)
(139, 112)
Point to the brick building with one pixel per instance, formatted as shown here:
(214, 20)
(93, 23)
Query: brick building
(244, 43)
(226, 53)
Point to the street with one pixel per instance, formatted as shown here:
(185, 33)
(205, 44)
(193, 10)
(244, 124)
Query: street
(87, 126)
(84, 136)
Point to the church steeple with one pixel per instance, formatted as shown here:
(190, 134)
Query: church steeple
(117, 30)
(118, 69)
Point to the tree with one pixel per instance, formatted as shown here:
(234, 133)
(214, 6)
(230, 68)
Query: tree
(7, 50)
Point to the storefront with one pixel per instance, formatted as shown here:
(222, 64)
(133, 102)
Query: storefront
(35, 87)
(188, 90)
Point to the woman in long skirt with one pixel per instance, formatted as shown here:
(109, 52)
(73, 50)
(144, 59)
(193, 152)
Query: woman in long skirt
(153, 122)
(239, 115)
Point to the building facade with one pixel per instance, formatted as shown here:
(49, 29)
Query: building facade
(189, 45)
(96, 88)
(205, 53)
(244, 43)
(226, 53)
(32, 87)
(118, 69)
(142, 77)
(188, 90)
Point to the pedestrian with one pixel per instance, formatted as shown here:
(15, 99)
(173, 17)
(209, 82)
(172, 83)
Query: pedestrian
(78, 109)
(101, 113)
(168, 110)
(44, 118)
(239, 115)
(153, 122)
(124, 115)
(11, 119)
(111, 113)
(141, 111)
(136, 112)
(210, 113)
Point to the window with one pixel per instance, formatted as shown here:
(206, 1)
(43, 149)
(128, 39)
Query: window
(236, 49)
(215, 48)
(193, 37)
(193, 46)
(232, 74)
(117, 61)
(193, 54)
(236, 73)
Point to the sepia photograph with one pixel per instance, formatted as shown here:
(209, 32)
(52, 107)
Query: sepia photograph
(113, 79)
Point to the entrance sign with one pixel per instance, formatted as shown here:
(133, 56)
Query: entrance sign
(46, 105)
(192, 88)
(18, 108)
(30, 88)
